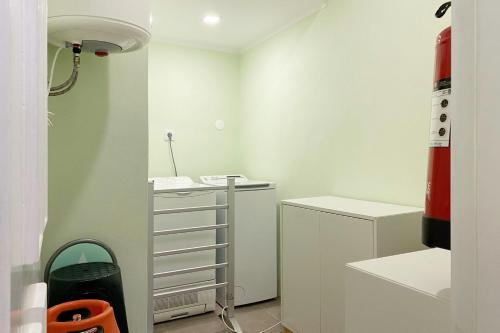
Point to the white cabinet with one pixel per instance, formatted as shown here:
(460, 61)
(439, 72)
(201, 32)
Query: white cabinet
(319, 236)
(405, 293)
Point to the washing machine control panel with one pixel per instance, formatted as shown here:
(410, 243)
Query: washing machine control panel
(222, 180)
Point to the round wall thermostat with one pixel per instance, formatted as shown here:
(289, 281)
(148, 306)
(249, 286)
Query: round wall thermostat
(219, 124)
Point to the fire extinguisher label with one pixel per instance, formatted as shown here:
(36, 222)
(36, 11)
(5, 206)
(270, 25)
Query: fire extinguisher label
(440, 119)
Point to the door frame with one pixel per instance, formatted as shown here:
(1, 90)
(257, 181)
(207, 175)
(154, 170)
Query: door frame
(475, 197)
(23, 156)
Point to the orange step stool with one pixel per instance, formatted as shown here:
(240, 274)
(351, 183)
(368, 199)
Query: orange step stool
(84, 316)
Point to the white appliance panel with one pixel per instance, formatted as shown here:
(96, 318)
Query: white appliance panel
(256, 268)
(256, 244)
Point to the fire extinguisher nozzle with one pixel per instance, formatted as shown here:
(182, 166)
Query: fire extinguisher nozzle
(443, 9)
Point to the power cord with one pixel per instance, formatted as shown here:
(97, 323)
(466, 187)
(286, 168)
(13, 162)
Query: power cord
(52, 68)
(223, 317)
(169, 135)
(51, 77)
(270, 328)
(232, 330)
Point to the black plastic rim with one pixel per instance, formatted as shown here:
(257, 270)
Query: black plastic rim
(436, 233)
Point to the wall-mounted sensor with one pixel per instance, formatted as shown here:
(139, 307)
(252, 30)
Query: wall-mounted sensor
(219, 124)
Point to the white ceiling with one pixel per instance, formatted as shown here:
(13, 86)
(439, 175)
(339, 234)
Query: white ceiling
(243, 22)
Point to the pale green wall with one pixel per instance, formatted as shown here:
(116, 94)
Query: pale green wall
(339, 103)
(189, 89)
(98, 155)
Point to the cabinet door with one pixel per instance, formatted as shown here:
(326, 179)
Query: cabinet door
(300, 270)
(343, 240)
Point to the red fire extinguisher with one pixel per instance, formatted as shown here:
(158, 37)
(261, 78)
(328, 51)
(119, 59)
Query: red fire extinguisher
(436, 220)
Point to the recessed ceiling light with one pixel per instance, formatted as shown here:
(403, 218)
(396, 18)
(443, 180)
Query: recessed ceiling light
(211, 19)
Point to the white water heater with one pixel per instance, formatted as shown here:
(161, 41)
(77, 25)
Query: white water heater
(100, 26)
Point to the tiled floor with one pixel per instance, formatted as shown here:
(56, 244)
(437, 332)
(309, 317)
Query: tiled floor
(252, 318)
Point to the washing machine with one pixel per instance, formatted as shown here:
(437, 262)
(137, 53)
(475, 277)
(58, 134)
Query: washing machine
(256, 263)
(168, 308)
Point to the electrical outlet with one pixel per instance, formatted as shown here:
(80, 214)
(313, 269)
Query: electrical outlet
(166, 133)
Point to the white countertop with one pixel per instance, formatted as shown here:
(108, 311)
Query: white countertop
(427, 271)
(352, 207)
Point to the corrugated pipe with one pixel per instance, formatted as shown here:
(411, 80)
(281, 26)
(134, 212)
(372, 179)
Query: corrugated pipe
(69, 83)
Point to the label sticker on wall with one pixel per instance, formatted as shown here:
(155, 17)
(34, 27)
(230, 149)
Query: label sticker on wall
(440, 119)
